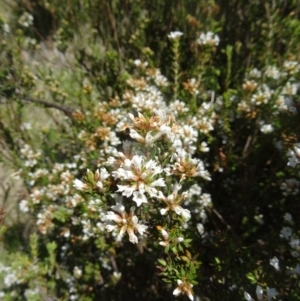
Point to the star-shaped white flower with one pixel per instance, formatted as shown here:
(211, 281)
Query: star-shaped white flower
(184, 288)
(139, 177)
(124, 222)
(173, 202)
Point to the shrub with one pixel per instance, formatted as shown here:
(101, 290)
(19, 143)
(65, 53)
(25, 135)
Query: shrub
(155, 162)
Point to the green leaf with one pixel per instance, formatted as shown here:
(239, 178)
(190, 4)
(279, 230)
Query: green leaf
(162, 262)
(62, 214)
(184, 258)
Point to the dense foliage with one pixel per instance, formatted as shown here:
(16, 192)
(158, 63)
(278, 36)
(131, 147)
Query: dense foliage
(157, 147)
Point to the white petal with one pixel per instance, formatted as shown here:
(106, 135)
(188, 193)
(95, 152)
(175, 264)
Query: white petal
(134, 220)
(132, 237)
(151, 190)
(271, 292)
(110, 228)
(126, 189)
(119, 208)
(135, 135)
(247, 296)
(141, 228)
(164, 234)
(185, 213)
(163, 211)
(148, 139)
(259, 292)
(160, 195)
(111, 216)
(177, 291)
(139, 198)
(99, 185)
(104, 174)
(164, 243)
(159, 182)
(190, 295)
(78, 184)
(121, 233)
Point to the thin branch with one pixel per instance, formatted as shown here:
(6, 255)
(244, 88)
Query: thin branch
(221, 219)
(68, 111)
(246, 147)
(114, 263)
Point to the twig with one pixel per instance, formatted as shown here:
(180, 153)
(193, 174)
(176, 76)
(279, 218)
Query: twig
(221, 219)
(248, 142)
(68, 111)
(113, 262)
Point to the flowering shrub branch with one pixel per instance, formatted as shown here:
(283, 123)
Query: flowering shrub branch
(166, 163)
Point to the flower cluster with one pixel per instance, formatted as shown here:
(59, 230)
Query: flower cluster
(144, 170)
(209, 38)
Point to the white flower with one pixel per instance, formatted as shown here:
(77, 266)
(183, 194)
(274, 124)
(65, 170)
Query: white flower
(260, 97)
(139, 198)
(291, 66)
(294, 155)
(275, 263)
(294, 243)
(23, 205)
(26, 19)
(243, 106)
(195, 189)
(286, 232)
(271, 292)
(178, 107)
(255, 73)
(139, 63)
(173, 202)
(203, 124)
(79, 185)
(290, 89)
(247, 297)
(205, 199)
(124, 222)
(288, 217)
(272, 72)
(267, 128)
(163, 131)
(174, 35)
(259, 293)
(25, 126)
(6, 28)
(203, 147)
(200, 228)
(296, 270)
(136, 136)
(117, 275)
(208, 38)
(77, 272)
(160, 80)
(165, 236)
(138, 177)
(184, 288)
(31, 293)
(290, 187)
(101, 176)
(10, 279)
(185, 166)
